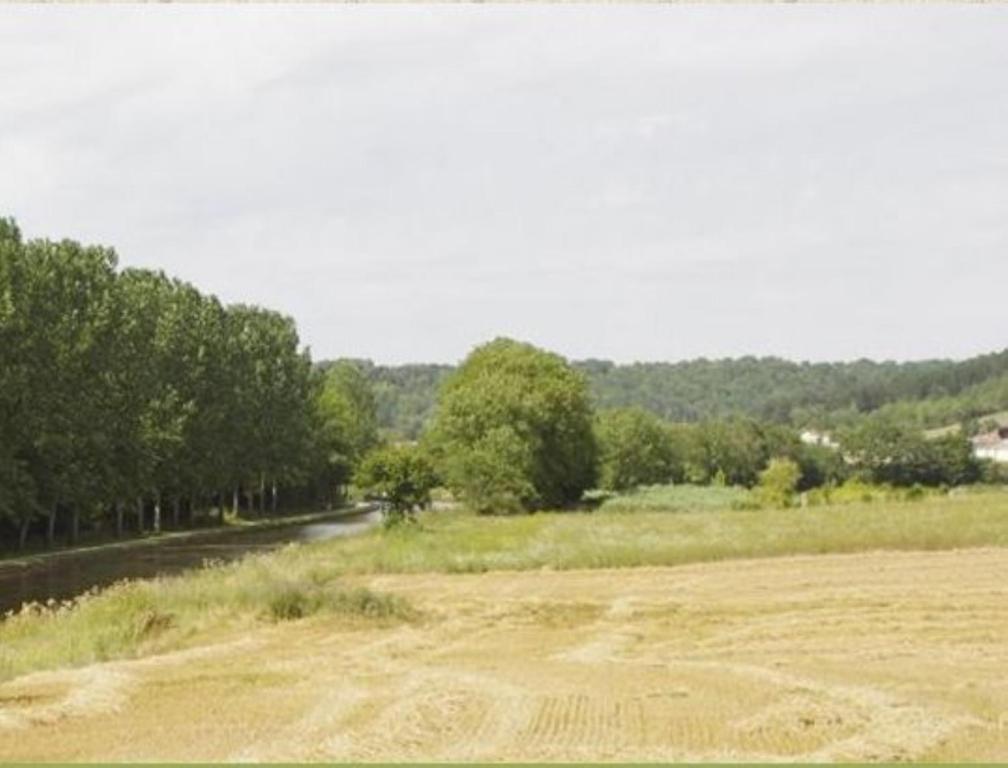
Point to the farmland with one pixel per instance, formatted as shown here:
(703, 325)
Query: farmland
(874, 656)
(863, 631)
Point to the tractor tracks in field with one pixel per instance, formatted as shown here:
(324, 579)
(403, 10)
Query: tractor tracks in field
(836, 658)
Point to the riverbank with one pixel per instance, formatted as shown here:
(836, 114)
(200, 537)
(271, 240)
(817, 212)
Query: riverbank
(231, 525)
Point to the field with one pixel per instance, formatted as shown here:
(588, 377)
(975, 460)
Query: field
(868, 656)
(532, 638)
(1001, 417)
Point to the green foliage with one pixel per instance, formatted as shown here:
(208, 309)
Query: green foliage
(636, 448)
(519, 418)
(347, 420)
(778, 483)
(820, 465)
(889, 453)
(402, 476)
(494, 474)
(733, 452)
(855, 491)
(823, 394)
(828, 395)
(128, 387)
(994, 473)
(404, 395)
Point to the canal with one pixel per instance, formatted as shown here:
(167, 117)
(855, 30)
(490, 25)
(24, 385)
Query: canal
(69, 574)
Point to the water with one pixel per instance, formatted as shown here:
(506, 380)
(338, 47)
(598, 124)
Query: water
(69, 575)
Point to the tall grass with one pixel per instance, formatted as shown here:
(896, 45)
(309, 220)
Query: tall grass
(676, 498)
(611, 537)
(137, 617)
(140, 617)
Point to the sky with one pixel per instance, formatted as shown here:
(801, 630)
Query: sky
(820, 182)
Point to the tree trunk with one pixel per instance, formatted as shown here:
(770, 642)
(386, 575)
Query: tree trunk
(262, 495)
(157, 512)
(119, 519)
(140, 515)
(50, 536)
(234, 502)
(74, 525)
(175, 511)
(23, 533)
(273, 500)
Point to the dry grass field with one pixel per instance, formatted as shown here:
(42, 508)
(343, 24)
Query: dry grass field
(868, 656)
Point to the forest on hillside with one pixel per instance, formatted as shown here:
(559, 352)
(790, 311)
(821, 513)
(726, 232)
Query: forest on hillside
(922, 394)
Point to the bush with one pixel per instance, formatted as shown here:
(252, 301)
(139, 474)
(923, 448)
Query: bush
(856, 491)
(402, 476)
(778, 482)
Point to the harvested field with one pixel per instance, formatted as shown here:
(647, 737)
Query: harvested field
(878, 656)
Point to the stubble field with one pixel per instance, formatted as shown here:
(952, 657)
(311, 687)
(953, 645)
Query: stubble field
(870, 656)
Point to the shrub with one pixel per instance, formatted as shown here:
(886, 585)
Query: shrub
(778, 482)
(402, 476)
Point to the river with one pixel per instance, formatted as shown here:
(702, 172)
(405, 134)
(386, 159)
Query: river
(69, 574)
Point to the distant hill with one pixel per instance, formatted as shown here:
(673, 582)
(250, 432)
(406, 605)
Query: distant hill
(926, 394)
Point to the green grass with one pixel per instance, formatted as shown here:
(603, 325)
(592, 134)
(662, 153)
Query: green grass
(455, 542)
(134, 618)
(146, 616)
(676, 498)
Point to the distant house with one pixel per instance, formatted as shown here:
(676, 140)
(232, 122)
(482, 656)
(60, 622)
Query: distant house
(812, 437)
(993, 445)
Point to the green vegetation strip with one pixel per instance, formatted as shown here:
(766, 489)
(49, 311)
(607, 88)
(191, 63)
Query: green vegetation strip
(142, 617)
(136, 618)
(617, 536)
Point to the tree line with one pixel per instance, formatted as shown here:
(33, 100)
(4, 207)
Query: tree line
(132, 401)
(515, 428)
(823, 395)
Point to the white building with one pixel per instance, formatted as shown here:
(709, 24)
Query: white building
(811, 437)
(993, 446)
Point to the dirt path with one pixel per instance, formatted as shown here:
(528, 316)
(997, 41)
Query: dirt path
(860, 657)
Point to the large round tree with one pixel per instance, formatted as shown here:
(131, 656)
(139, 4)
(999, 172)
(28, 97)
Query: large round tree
(513, 429)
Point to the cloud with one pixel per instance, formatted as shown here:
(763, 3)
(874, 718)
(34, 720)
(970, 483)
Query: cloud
(633, 182)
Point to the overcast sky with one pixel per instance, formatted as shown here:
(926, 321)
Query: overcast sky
(634, 183)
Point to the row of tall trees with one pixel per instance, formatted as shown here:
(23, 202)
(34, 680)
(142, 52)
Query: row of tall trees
(131, 399)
